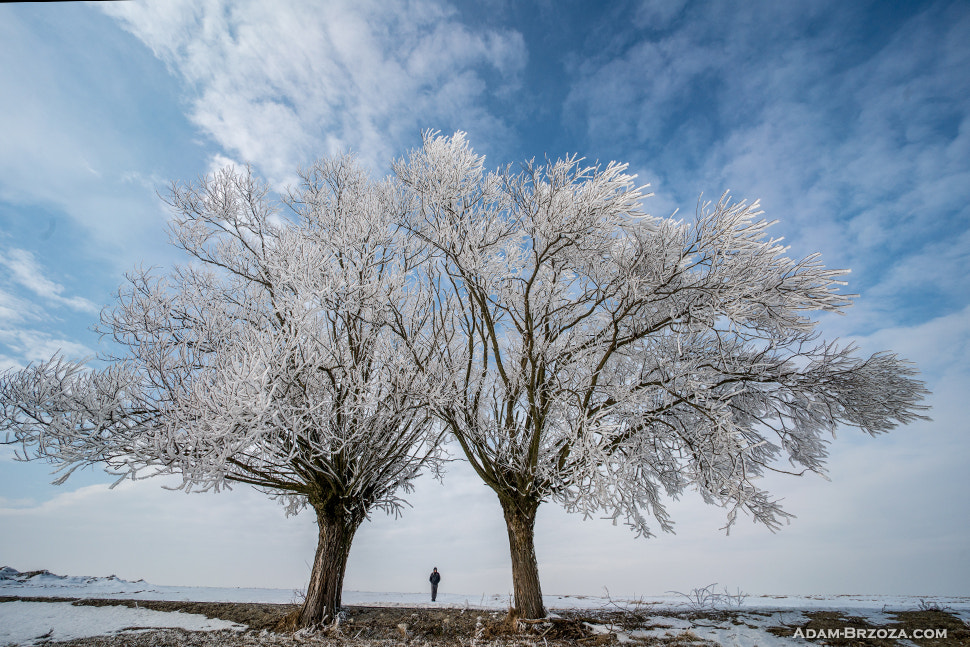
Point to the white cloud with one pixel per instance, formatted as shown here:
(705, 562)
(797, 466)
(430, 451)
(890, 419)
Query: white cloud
(14, 310)
(861, 153)
(20, 339)
(29, 345)
(362, 76)
(218, 162)
(940, 347)
(24, 269)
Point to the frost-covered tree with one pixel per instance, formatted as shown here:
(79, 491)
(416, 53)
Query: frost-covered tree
(266, 360)
(612, 360)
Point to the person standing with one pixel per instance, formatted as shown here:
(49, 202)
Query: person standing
(435, 578)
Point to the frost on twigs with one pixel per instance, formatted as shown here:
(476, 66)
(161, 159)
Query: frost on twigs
(610, 361)
(707, 598)
(292, 353)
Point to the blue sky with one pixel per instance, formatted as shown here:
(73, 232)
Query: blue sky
(849, 121)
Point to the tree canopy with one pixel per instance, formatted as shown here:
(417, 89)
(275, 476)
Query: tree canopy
(267, 360)
(613, 360)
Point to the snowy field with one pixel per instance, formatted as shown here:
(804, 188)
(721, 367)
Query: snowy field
(35, 622)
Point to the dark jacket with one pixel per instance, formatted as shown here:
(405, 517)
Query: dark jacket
(435, 577)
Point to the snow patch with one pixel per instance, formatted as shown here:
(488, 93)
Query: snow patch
(30, 623)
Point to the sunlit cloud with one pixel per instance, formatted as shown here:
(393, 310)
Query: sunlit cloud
(353, 76)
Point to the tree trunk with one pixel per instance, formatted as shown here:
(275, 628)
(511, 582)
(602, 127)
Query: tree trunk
(520, 519)
(322, 601)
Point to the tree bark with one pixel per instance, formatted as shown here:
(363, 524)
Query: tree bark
(520, 519)
(322, 603)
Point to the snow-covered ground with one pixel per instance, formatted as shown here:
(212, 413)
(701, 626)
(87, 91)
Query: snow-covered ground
(28, 623)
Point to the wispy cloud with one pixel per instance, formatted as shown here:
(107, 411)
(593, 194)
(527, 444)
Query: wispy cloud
(366, 76)
(29, 325)
(14, 310)
(856, 136)
(29, 345)
(25, 270)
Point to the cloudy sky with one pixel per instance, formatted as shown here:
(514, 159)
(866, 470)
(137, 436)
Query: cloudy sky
(849, 120)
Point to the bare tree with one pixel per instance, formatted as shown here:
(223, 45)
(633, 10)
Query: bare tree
(268, 360)
(612, 359)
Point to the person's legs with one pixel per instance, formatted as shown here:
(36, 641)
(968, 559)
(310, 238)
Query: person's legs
(434, 592)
